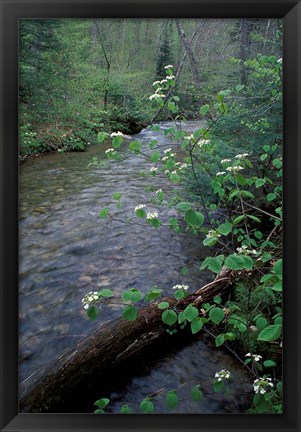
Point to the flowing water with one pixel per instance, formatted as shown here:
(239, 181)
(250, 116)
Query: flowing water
(67, 251)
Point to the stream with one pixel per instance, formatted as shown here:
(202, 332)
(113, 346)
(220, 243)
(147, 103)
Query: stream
(65, 251)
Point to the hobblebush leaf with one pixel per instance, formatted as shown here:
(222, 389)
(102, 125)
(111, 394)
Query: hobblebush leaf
(269, 363)
(278, 268)
(217, 299)
(106, 293)
(210, 241)
(102, 403)
(248, 262)
(234, 262)
(183, 206)
(153, 294)
(261, 323)
(171, 399)
(217, 315)
(102, 136)
(181, 317)
(136, 295)
(147, 406)
(104, 213)
(225, 228)
(92, 312)
(191, 312)
(175, 178)
(204, 109)
(99, 411)
(194, 218)
(155, 157)
(271, 196)
(196, 325)
(196, 393)
(270, 333)
(163, 305)
(130, 313)
(218, 386)
(169, 317)
(277, 287)
(140, 213)
(117, 196)
(125, 409)
(219, 340)
(179, 294)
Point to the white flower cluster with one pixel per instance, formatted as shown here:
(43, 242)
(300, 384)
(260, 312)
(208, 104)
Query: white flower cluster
(156, 83)
(167, 150)
(225, 160)
(165, 158)
(140, 206)
(153, 215)
(183, 166)
(156, 96)
(222, 375)
(279, 60)
(261, 385)
(220, 173)
(110, 150)
(168, 67)
(256, 357)
(180, 287)
(203, 142)
(153, 169)
(212, 233)
(159, 191)
(234, 168)
(170, 77)
(245, 251)
(241, 156)
(90, 298)
(115, 134)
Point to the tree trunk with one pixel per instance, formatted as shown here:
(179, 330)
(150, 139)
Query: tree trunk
(188, 48)
(66, 384)
(244, 48)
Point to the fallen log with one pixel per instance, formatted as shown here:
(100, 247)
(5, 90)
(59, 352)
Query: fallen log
(63, 384)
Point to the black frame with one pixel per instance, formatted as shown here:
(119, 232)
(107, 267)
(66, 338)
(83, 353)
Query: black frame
(11, 11)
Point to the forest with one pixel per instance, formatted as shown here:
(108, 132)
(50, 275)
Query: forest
(150, 156)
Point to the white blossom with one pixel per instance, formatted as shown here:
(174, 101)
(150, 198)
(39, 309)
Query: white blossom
(165, 158)
(170, 77)
(234, 168)
(279, 60)
(153, 169)
(168, 67)
(225, 160)
(114, 134)
(156, 96)
(261, 385)
(241, 156)
(140, 206)
(163, 81)
(110, 150)
(220, 173)
(156, 83)
(222, 375)
(180, 287)
(152, 215)
(158, 191)
(167, 150)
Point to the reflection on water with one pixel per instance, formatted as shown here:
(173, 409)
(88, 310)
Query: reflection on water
(67, 251)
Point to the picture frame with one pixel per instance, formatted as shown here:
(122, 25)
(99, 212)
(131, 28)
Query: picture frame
(11, 12)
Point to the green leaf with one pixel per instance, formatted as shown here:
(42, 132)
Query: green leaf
(102, 136)
(99, 411)
(248, 262)
(152, 144)
(270, 333)
(269, 363)
(217, 315)
(215, 264)
(217, 299)
(135, 146)
(155, 157)
(116, 141)
(254, 218)
(169, 317)
(218, 386)
(219, 340)
(238, 219)
(190, 313)
(194, 218)
(136, 295)
(153, 294)
(102, 403)
(204, 109)
(125, 409)
(210, 241)
(271, 196)
(261, 323)
(130, 313)
(277, 287)
(183, 207)
(260, 182)
(278, 268)
(104, 213)
(234, 262)
(140, 213)
(196, 325)
(147, 406)
(117, 196)
(106, 293)
(179, 294)
(225, 228)
(92, 312)
(171, 399)
(196, 393)
(163, 305)
(181, 317)
(175, 178)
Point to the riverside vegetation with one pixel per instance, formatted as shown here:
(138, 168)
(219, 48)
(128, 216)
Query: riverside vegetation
(227, 190)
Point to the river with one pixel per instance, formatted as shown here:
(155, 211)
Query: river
(65, 251)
